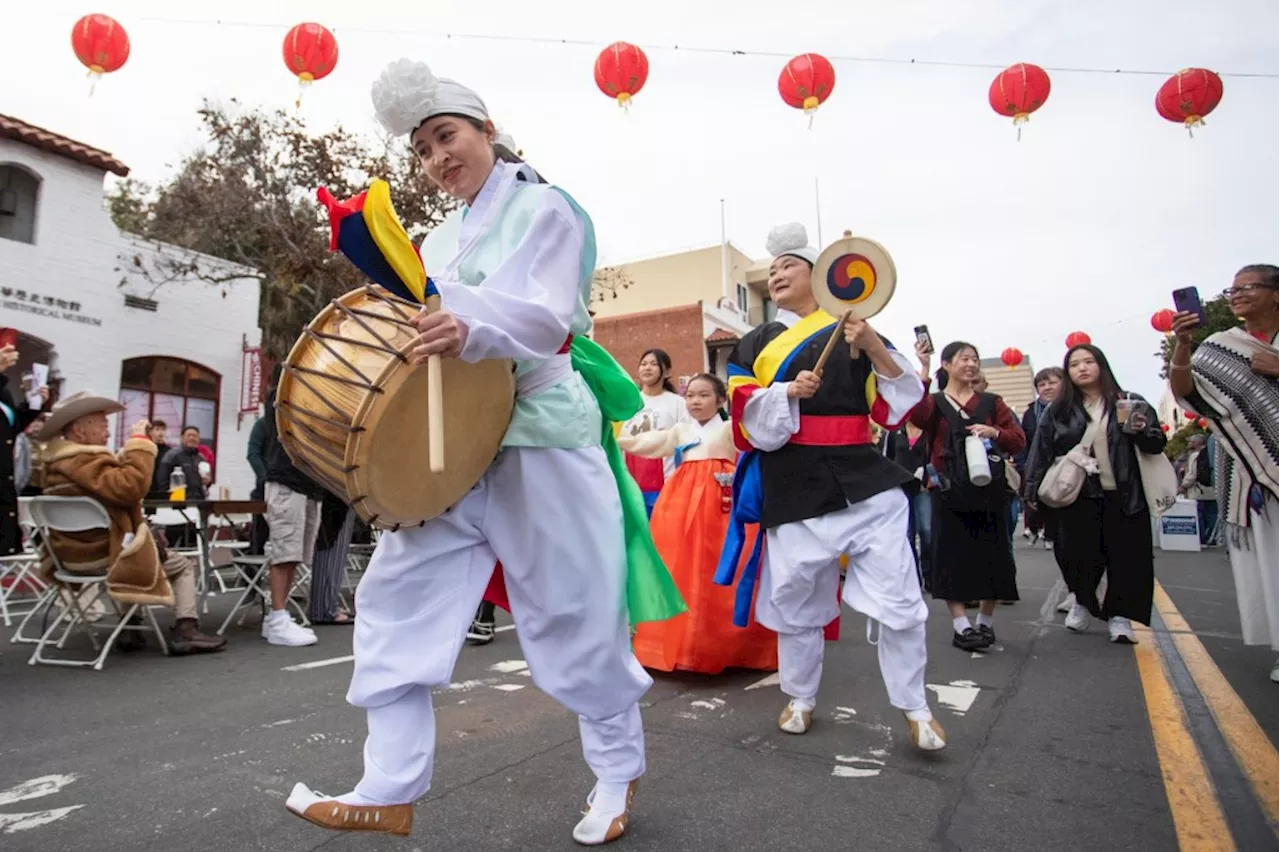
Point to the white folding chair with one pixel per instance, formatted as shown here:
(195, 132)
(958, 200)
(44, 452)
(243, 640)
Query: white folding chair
(81, 514)
(23, 592)
(255, 572)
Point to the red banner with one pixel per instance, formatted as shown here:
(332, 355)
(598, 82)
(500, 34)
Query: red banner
(251, 393)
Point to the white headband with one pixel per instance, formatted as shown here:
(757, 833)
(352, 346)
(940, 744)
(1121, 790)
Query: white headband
(791, 239)
(407, 94)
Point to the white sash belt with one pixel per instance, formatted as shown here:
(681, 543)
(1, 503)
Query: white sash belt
(548, 374)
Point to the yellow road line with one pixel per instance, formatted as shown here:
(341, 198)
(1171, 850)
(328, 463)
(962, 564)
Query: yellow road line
(1197, 816)
(1253, 751)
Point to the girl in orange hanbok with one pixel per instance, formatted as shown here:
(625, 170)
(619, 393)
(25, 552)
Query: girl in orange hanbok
(689, 524)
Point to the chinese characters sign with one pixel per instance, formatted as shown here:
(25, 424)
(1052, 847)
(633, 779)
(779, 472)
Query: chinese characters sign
(31, 302)
(250, 380)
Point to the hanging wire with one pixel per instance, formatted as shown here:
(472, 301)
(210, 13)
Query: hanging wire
(723, 51)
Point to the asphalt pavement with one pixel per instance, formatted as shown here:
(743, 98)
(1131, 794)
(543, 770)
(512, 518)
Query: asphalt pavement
(1056, 741)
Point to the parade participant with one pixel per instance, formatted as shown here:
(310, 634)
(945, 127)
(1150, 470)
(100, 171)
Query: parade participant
(825, 492)
(1230, 380)
(513, 268)
(663, 409)
(689, 524)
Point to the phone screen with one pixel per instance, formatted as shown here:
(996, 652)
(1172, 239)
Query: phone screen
(8, 337)
(1187, 300)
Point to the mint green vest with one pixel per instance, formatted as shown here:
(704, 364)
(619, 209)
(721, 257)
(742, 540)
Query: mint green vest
(565, 415)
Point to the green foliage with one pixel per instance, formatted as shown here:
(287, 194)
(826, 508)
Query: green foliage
(1177, 445)
(248, 196)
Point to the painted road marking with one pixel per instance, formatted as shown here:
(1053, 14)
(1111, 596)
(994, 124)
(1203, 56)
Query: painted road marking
(957, 696)
(1197, 816)
(45, 785)
(771, 680)
(35, 788)
(1252, 749)
(319, 664)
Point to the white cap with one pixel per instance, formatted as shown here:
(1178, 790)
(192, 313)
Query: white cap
(407, 94)
(791, 239)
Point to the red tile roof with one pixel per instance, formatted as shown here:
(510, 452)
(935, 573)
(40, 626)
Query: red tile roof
(45, 140)
(722, 336)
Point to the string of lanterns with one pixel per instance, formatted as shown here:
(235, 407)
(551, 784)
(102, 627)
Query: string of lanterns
(310, 52)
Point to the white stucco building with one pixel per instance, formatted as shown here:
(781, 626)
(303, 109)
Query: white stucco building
(175, 354)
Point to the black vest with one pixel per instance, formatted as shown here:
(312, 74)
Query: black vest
(802, 482)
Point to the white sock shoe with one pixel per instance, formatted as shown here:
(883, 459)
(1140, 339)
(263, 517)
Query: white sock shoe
(797, 716)
(609, 809)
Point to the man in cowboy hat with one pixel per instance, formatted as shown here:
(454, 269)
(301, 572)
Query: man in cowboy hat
(78, 463)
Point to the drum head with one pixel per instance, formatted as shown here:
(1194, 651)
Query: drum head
(390, 481)
(855, 274)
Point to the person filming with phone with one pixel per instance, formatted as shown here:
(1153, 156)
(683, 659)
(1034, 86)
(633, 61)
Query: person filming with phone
(1230, 381)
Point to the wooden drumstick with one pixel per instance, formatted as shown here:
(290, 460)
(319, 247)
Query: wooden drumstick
(831, 343)
(435, 403)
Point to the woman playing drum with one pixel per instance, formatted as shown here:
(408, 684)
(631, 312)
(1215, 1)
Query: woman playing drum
(513, 268)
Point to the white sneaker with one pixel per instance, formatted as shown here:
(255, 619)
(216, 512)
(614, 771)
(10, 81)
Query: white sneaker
(1078, 619)
(1048, 545)
(1067, 602)
(1275, 673)
(287, 632)
(1121, 631)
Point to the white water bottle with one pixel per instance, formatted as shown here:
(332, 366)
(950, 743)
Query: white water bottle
(975, 454)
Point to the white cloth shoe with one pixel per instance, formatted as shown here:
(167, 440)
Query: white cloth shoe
(1078, 619)
(605, 821)
(796, 717)
(1121, 631)
(927, 734)
(1067, 602)
(287, 632)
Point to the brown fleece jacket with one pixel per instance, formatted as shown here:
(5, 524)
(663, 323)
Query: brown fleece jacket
(118, 482)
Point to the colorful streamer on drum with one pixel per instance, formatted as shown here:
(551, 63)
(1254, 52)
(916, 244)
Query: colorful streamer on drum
(852, 279)
(376, 242)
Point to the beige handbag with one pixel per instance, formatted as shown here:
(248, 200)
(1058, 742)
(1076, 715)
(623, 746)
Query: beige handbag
(1065, 478)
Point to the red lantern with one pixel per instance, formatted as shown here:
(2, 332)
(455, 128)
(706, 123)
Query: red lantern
(1011, 357)
(1190, 415)
(100, 43)
(1018, 91)
(1202, 423)
(1188, 96)
(1078, 338)
(310, 52)
(806, 82)
(1162, 321)
(1164, 427)
(621, 71)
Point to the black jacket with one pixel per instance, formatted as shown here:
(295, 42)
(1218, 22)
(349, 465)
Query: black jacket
(280, 468)
(189, 461)
(23, 415)
(1030, 419)
(1056, 436)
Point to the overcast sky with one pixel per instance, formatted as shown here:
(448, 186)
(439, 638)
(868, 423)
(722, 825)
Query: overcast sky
(1088, 223)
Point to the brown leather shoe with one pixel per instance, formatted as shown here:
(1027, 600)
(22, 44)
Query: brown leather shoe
(334, 815)
(185, 638)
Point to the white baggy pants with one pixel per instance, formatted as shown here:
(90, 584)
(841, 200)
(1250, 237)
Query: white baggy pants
(797, 594)
(554, 519)
(1253, 566)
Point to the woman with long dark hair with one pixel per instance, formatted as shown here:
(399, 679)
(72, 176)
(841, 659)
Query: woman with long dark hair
(972, 559)
(663, 409)
(1107, 530)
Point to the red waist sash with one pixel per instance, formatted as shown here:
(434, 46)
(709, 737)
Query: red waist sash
(833, 431)
(564, 350)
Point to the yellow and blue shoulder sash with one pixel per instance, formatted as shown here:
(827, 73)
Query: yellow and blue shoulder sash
(773, 361)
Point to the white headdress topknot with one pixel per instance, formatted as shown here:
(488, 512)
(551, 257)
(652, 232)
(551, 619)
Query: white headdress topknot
(406, 94)
(791, 239)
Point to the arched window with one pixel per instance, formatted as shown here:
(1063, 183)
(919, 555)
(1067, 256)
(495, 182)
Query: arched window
(19, 192)
(181, 393)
